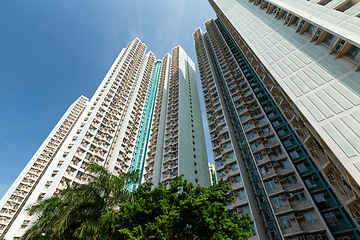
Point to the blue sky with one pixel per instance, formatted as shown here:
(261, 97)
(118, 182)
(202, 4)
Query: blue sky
(51, 52)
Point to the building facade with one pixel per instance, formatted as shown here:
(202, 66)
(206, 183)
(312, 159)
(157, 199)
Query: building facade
(280, 82)
(132, 122)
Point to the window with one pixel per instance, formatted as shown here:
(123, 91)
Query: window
(270, 185)
(310, 29)
(281, 133)
(272, 140)
(285, 221)
(246, 209)
(262, 121)
(242, 194)
(284, 165)
(311, 218)
(319, 197)
(222, 174)
(287, 143)
(234, 167)
(231, 155)
(277, 152)
(266, 130)
(353, 51)
(310, 183)
(294, 154)
(276, 123)
(296, 21)
(300, 197)
(228, 146)
(219, 163)
(254, 145)
(243, 118)
(291, 180)
(264, 170)
(247, 126)
(301, 167)
(251, 135)
(259, 157)
(277, 202)
(238, 180)
(331, 218)
(329, 38)
(271, 115)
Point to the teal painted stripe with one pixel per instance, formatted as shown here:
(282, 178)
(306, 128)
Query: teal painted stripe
(138, 160)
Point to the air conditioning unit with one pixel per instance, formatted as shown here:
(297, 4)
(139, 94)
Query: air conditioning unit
(319, 32)
(301, 26)
(282, 195)
(268, 165)
(300, 215)
(300, 238)
(331, 177)
(289, 195)
(275, 163)
(275, 179)
(281, 178)
(338, 47)
(314, 177)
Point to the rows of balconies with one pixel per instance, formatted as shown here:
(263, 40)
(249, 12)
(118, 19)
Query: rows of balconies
(221, 150)
(108, 114)
(144, 94)
(296, 155)
(319, 153)
(45, 157)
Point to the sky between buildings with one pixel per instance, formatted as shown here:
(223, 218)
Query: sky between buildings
(51, 52)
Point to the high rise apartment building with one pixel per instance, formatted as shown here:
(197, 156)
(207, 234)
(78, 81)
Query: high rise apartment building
(145, 115)
(281, 86)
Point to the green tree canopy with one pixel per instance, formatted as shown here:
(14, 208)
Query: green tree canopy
(183, 211)
(104, 209)
(79, 212)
